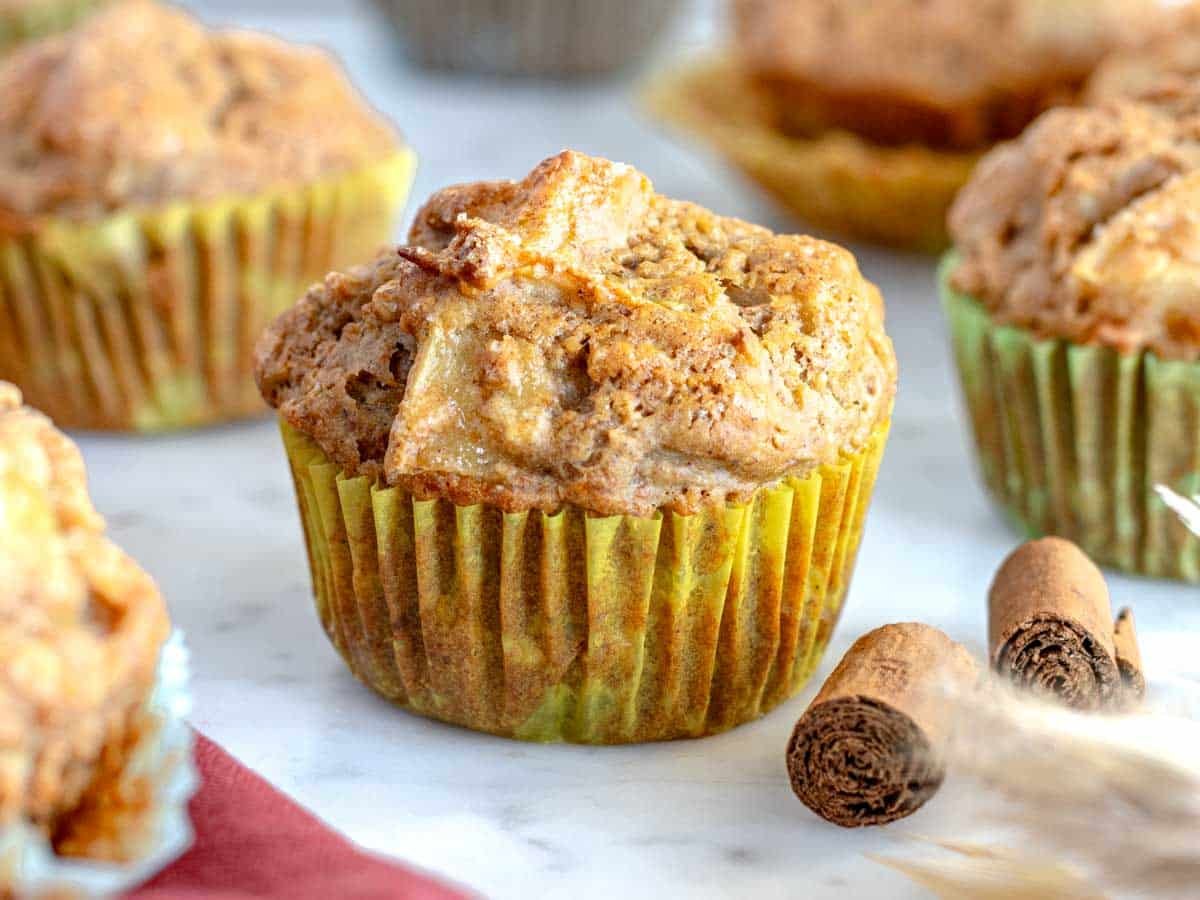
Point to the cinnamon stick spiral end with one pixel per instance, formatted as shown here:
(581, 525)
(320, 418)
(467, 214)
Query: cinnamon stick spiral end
(858, 761)
(869, 748)
(1050, 625)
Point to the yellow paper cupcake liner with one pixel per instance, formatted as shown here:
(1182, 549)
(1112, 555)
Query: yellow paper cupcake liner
(1072, 439)
(572, 627)
(147, 320)
(838, 181)
(38, 19)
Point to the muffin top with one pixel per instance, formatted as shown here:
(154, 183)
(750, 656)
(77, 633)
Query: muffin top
(80, 623)
(1088, 229)
(139, 105)
(942, 51)
(577, 338)
(1163, 69)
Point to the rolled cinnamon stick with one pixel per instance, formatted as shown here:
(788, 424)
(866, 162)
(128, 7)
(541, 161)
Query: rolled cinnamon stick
(1129, 659)
(1050, 625)
(868, 749)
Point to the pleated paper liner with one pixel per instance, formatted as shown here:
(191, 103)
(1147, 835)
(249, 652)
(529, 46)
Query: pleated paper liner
(571, 627)
(29, 21)
(837, 181)
(1072, 439)
(134, 821)
(147, 320)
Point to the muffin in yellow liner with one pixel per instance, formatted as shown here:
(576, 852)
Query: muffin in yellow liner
(581, 462)
(26, 20)
(167, 191)
(866, 116)
(1073, 304)
(837, 180)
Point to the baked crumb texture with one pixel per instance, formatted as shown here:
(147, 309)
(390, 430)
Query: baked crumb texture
(575, 338)
(140, 105)
(1074, 303)
(165, 191)
(1087, 229)
(941, 73)
(80, 629)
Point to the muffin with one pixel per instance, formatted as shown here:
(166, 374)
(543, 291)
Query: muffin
(581, 462)
(866, 117)
(529, 37)
(1074, 302)
(81, 627)
(164, 192)
(23, 20)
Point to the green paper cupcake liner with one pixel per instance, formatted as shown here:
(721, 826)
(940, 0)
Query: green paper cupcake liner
(1072, 439)
(574, 627)
(41, 18)
(147, 320)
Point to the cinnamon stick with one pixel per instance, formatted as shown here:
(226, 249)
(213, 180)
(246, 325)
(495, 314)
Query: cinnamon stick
(868, 750)
(1129, 659)
(1050, 625)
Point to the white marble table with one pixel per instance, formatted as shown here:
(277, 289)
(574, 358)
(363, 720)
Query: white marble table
(211, 515)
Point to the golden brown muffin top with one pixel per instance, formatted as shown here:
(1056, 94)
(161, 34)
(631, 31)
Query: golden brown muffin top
(80, 623)
(941, 51)
(140, 105)
(1087, 229)
(577, 338)
(1163, 69)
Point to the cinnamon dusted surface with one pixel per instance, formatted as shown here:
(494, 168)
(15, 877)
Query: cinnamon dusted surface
(80, 624)
(941, 72)
(1087, 229)
(1162, 69)
(139, 105)
(577, 338)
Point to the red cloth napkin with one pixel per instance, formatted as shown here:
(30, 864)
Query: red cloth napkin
(253, 843)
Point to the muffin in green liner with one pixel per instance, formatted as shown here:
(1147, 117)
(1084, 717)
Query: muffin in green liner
(1073, 301)
(153, 222)
(1072, 439)
(26, 20)
(581, 462)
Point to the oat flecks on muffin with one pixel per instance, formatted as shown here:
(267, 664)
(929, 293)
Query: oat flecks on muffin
(80, 624)
(941, 72)
(1087, 229)
(140, 105)
(577, 338)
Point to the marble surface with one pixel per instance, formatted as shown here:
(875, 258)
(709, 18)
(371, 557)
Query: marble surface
(211, 515)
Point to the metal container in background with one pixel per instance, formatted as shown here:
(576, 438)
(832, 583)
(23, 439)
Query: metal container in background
(529, 37)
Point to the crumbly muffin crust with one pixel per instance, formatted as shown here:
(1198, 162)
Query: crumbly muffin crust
(139, 105)
(1162, 70)
(577, 338)
(80, 624)
(939, 72)
(1088, 229)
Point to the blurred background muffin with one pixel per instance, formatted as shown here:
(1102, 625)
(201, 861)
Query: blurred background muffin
(582, 462)
(81, 627)
(867, 117)
(164, 191)
(530, 37)
(1074, 300)
(24, 20)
